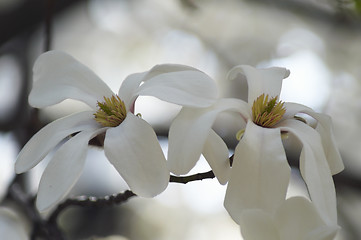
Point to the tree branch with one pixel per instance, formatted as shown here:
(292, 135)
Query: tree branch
(191, 178)
(84, 201)
(49, 228)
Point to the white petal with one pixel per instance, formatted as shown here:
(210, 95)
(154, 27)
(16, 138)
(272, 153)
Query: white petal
(324, 128)
(128, 90)
(167, 68)
(314, 169)
(297, 219)
(190, 129)
(293, 108)
(49, 136)
(179, 84)
(216, 153)
(260, 172)
(58, 76)
(258, 225)
(323, 233)
(11, 227)
(63, 170)
(133, 149)
(267, 81)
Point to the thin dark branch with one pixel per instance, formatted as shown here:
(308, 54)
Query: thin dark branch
(191, 178)
(84, 201)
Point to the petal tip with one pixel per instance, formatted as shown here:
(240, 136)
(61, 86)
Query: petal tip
(18, 169)
(287, 73)
(42, 205)
(19, 166)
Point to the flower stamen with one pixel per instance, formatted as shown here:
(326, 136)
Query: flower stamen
(240, 134)
(267, 113)
(111, 112)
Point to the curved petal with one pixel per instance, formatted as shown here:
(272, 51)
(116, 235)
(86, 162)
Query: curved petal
(324, 128)
(258, 225)
(58, 76)
(11, 227)
(128, 89)
(190, 129)
(293, 108)
(314, 169)
(216, 153)
(297, 218)
(267, 81)
(179, 84)
(260, 172)
(166, 68)
(63, 170)
(49, 136)
(134, 151)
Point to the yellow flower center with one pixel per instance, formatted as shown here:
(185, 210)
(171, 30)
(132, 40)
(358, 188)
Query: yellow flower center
(267, 112)
(111, 112)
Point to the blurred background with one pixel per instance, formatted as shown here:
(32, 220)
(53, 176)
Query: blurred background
(318, 41)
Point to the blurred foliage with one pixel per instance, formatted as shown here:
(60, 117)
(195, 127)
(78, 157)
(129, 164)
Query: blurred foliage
(358, 6)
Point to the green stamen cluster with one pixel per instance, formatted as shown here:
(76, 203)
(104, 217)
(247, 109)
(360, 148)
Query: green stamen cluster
(267, 113)
(111, 112)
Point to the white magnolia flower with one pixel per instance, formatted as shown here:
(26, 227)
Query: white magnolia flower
(130, 143)
(296, 219)
(11, 227)
(260, 173)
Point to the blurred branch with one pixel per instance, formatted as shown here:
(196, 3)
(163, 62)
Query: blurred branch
(331, 15)
(18, 115)
(48, 23)
(41, 228)
(27, 16)
(23, 119)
